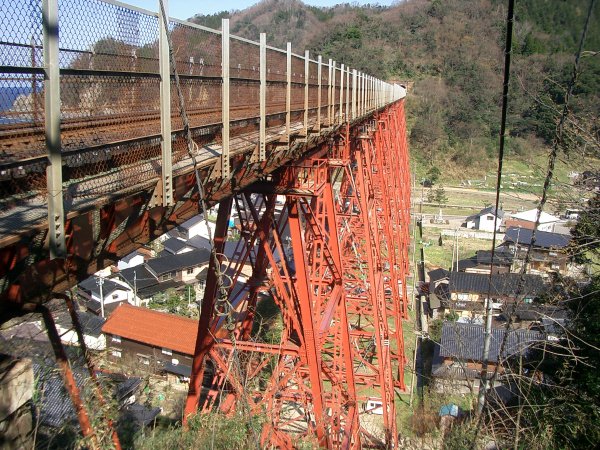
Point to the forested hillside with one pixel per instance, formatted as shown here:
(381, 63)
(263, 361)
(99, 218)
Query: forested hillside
(453, 52)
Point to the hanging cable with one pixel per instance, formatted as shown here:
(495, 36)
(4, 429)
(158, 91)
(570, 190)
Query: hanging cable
(489, 306)
(192, 147)
(558, 140)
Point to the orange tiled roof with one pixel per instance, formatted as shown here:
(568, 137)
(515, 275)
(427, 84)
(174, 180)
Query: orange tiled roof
(153, 328)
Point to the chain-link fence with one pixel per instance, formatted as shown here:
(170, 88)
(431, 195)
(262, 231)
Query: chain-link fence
(109, 87)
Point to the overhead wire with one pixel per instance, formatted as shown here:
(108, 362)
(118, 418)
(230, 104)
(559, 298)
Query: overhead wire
(192, 147)
(558, 140)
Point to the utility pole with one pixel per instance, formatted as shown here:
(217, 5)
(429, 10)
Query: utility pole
(100, 282)
(135, 297)
(456, 239)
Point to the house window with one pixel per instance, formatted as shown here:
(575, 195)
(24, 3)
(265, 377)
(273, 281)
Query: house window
(115, 296)
(190, 271)
(166, 351)
(144, 359)
(166, 276)
(463, 297)
(116, 339)
(116, 353)
(490, 217)
(552, 253)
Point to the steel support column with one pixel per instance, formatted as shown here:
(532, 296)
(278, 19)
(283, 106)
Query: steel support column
(205, 339)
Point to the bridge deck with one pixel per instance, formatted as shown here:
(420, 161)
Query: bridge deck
(81, 195)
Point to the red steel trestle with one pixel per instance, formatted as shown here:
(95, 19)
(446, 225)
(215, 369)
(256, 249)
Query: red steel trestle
(311, 334)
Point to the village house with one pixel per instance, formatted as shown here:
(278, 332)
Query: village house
(161, 342)
(548, 253)
(482, 262)
(183, 267)
(176, 246)
(484, 220)
(134, 259)
(169, 271)
(466, 294)
(457, 360)
(526, 220)
(91, 328)
(548, 318)
(100, 293)
(196, 226)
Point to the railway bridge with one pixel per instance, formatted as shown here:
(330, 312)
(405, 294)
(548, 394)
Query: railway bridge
(117, 124)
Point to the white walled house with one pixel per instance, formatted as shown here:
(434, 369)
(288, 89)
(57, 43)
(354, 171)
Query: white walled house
(183, 267)
(113, 293)
(91, 326)
(177, 246)
(484, 220)
(132, 260)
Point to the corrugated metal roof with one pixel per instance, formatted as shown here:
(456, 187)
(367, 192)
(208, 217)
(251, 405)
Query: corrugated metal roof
(465, 341)
(153, 328)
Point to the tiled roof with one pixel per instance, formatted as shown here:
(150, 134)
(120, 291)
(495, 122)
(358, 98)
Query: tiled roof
(153, 328)
(171, 263)
(465, 341)
(140, 414)
(464, 264)
(543, 239)
(437, 274)
(109, 286)
(501, 256)
(56, 408)
(174, 245)
(504, 284)
(138, 276)
(91, 323)
(488, 210)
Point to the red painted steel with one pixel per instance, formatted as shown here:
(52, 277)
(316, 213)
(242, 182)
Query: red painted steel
(330, 264)
(68, 378)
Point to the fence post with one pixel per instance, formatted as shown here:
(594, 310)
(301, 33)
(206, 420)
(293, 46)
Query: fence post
(342, 94)
(348, 93)
(56, 212)
(165, 106)
(319, 94)
(330, 83)
(288, 92)
(262, 139)
(306, 88)
(354, 92)
(363, 99)
(225, 106)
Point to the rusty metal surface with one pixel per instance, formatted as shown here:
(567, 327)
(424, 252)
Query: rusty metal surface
(110, 132)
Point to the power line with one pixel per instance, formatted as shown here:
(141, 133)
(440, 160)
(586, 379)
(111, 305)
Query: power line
(489, 306)
(558, 140)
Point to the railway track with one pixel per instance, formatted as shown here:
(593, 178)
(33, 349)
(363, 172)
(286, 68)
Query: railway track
(25, 143)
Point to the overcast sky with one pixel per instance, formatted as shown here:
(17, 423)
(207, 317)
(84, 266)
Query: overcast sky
(183, 9)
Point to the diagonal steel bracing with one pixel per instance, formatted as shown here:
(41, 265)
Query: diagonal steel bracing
(323, 245)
